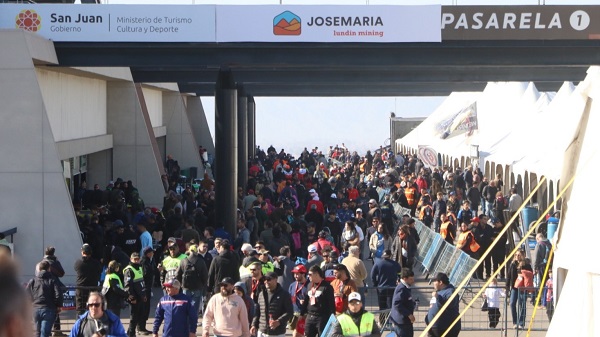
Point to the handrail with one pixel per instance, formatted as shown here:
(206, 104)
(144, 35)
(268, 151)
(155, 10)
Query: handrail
(10, 232)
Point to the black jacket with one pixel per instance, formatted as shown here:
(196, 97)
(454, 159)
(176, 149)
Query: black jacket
(88, 272)
(45, 291)
(324, 300)
(279, 307)
(224, 265)
(201, 272)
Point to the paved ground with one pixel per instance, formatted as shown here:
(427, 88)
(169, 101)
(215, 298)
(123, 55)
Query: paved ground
(474, 322)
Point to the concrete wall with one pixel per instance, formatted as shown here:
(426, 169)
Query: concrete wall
(197, 118)
(34, 197)
(400, 127)
(181, 143)
(76, 105)
(155, 105)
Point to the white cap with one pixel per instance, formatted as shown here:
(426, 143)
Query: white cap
(246, 247)
(312, 249)
(354, 296)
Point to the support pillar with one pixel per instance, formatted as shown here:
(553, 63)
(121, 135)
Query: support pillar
(242, 113)
(251, 127)
(226, 151)
(199, 124)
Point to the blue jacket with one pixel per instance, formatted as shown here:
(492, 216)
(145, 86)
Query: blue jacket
(449, 315)
(179, 316)
(402, 305)
(385, 273)
(116, 327)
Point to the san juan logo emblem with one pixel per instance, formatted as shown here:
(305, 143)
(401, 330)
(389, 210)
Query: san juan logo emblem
(287, 23)
(29, 19)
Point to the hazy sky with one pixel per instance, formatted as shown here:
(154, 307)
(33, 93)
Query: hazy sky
(361, 123)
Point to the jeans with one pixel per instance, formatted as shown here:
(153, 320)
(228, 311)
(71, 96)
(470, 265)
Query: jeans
(196, 296)
(404, 330)
(489, 209)
(44, 319)
(518, 306)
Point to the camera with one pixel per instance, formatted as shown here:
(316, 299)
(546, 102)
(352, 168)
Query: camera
(102, 331)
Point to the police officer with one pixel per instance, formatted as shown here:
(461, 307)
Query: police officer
(134, 285)
(112, 288)
(355, 321)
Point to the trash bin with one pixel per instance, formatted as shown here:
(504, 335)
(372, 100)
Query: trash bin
(552, 227)
(529, 215)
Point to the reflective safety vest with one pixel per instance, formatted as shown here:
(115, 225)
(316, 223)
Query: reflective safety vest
(170, 264)
(462, 240)
(444, 230)
(267, 267)
(350, 329)
(410, 193)
(138, 274)
(106, 284)
(244, 272)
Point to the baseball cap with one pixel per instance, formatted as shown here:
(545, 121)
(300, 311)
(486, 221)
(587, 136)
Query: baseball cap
(312, 191)
(312, 249)
(299, 269)
(148, 250)
(475, 219)
(452, 193)
(354, 296)
(386, 253)
(227, 280)
(135, 255)
(171, 242)
(118, 223)
(172, 284)
(246, 247)
(86, 248)
(359, 210)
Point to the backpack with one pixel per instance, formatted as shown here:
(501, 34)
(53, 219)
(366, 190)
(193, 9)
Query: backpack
(191, 276)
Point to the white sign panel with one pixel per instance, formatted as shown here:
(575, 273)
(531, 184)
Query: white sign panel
(329, 23)
(113, 23)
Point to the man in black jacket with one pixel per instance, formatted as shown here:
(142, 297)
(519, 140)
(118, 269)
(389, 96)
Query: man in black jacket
(88, 272)
(274, 309)
(192, 274)
(58, 271)
(47, 299)
(133, 275)
(319, 305)
(223, 265)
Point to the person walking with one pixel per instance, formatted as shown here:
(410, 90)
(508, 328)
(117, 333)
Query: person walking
(58, 271)
(133, 276)
(403, 305)
(88, 272)
(112, 289)
(97, 321)
(443, 291)
(319, 305)
(273, 310)
(384, 276)
(355, 321)
(176, 311)
(150, 271)
(47, 299)
(193, 274)
(227, 312)
(299, 293)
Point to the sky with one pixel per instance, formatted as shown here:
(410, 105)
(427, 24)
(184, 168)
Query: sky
(360, 123)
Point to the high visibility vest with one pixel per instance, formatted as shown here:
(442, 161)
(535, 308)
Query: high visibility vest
(410, 193)
(351, 330)
(444, 230)
(170, 264)
(462, 239)
(267, 267)
(106, 284)
(138, 274)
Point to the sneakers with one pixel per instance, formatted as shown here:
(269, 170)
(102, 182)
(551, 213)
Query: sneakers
(143, 332)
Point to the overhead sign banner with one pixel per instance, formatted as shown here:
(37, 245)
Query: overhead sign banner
(113, 23)
(328, 23)
(520, 22)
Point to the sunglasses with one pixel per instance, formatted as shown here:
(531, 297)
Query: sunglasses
(267, 279)
(95, 305)
(172, 248)
(325, 255)
(253, 270)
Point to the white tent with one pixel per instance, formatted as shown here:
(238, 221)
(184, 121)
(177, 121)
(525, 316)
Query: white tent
(576, 274)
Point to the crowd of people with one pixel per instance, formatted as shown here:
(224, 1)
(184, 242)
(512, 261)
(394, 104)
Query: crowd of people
(305, 228)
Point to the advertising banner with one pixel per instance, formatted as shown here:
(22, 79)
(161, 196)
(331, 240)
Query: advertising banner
(328, 23)
(520, 22)
(112, 23)
(464, 121)
(428, 156)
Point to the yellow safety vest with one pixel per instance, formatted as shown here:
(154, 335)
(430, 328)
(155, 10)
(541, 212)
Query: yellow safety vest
(170, 263)
(138, 274)
(351, 330)
(267, 267)
(106, 284)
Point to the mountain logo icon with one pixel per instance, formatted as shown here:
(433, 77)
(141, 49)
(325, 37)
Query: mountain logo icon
(287, 23)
